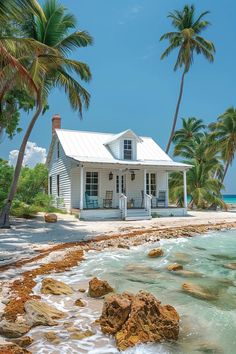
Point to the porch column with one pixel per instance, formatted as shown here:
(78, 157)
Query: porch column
(145, 182)
(81, 203)
(185, 190)
(120, 182)
(167, 190)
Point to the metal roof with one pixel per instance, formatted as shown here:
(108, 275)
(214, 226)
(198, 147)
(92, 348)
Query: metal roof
(92, 147)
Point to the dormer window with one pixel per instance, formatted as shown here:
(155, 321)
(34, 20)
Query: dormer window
(127, 149)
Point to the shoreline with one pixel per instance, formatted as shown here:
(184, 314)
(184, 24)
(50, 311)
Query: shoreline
(71, 255)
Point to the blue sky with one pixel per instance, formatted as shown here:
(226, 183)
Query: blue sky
(131, 86)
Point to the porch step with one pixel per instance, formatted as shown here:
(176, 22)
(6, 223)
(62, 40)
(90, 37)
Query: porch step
(137, 214)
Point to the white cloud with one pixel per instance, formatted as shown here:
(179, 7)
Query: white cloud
(33, 155)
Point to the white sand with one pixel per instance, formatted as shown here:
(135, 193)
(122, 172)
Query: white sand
(28, 236)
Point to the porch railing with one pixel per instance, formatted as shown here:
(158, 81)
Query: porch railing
(123, 205)
(148, 203)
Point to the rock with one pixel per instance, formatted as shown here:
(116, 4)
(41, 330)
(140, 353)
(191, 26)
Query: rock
(78, 335)
(188, 273)
(156, 252)
(55, 287)
(123, 245)
(82, 290)
(115, 312)
(49, 217)
(52, 337)
(13, 349)
(198, 291)
(13, 329)
(98, 288)
(138, 319)
(230, 266)
(174, 267)
(23, 342)
(39, 313)
(181, 257)
(79, 303)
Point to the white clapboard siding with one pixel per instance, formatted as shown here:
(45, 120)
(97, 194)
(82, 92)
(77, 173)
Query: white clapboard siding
(60, 166)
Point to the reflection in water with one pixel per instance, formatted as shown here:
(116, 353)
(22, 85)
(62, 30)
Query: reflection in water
(208, 325)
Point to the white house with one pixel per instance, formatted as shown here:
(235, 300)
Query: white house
(105, 176)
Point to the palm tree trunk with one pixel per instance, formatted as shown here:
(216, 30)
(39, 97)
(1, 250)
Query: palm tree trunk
(225, 171)
(4, 217)
(176, 112)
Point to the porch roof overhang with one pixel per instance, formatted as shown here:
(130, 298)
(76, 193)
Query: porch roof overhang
(137, 164)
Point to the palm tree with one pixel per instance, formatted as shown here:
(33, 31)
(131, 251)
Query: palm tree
(188, 41)
(48, 70)
(224, 134)
(204, 178)
(192, 130)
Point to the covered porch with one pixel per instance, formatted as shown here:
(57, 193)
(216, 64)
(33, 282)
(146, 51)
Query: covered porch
(123, 192)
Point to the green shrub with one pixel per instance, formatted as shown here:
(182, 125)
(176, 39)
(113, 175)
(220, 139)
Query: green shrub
(22, 210)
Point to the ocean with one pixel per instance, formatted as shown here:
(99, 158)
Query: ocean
(229, 198)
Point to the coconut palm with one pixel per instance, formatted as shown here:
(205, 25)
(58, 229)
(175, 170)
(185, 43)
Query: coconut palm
(204, 178)
(188, 41)
(224, 134)
(192, 130)
(53, 29)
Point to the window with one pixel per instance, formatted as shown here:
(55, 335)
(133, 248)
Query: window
(92, 184)
(50, 185)
(151, 183)
(122, 184)
(127, 149)
(58, 185)
(58, 150)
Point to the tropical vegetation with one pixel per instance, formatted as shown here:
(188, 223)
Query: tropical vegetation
(187, 39)
(210, 151)
(52, 30)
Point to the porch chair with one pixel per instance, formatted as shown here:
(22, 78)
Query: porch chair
(107, 201)
(161, 200)
(90, 203)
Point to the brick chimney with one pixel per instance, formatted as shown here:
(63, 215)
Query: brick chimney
(56, 123)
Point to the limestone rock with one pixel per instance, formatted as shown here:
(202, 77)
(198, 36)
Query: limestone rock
(49, 217)
(39, 313)
(181, 257)
(13, 349)
(23, 342)
(79, 303)
(98, 288)
(78, 335)
(55, 287)
(115, 312)
(13, 329)
(138, 319)
(81, 290)
(188, 273)
(198, 291)
(52, 337)
(156, 252)
(230, 266)
(174, 267)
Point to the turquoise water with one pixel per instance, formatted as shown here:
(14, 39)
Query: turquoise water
(229, 198)
(206, 326)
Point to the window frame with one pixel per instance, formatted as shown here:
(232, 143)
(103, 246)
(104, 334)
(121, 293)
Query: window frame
(128, 149)
(50, 185)
(151, 184)
(92, 183)
(58, 185)
(118, 184)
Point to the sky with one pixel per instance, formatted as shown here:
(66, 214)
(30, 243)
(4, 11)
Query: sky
(131, 86)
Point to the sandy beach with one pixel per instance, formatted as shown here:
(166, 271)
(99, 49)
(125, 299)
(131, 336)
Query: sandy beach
(27, 237)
